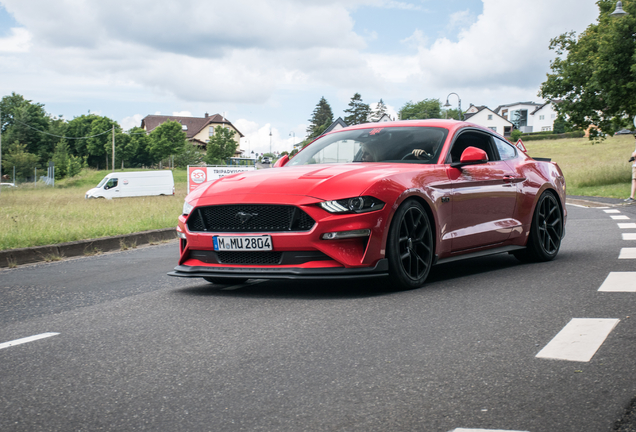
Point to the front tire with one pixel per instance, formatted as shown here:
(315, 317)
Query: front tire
(410, 246)
(546, 231)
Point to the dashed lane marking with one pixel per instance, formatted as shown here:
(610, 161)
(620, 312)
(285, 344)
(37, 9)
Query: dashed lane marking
(483, 430)
(627, 253)
(627, 225)
(619, 282)
(579, 339)
(620, 217)
(26, 339)
(611, 211)
(629, 236)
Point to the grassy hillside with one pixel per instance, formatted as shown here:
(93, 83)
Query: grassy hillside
(592, 169)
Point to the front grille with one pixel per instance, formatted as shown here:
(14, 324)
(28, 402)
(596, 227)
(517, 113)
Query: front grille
(250, 258)
(258, 258)
(249, 218)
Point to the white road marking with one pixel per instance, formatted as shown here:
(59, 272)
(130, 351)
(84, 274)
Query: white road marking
(627, 253)
(620, 217)
(26, 339)
(619, 282)
(482, 430)
(611, 211)
(627, 225)
(574, 205)
(629, 236)
(579, 339)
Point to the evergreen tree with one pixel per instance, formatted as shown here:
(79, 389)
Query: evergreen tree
(378, 111)
(320, 120)
(358, 111)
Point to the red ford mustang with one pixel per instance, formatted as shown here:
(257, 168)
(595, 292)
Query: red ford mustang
(384, 199)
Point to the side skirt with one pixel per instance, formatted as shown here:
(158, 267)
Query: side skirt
(504, 249)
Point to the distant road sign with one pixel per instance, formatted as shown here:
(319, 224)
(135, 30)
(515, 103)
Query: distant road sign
(521, 147)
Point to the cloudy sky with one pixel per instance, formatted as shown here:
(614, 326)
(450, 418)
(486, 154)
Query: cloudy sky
(266, 63)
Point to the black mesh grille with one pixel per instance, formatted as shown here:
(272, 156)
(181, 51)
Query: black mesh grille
(254, 258)
(249, 218)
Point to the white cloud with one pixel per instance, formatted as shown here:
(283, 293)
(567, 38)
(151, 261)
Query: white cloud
(18, 42)
(195, 54)
(128, 123)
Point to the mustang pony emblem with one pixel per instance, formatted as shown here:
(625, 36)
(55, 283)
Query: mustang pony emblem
(244, 217)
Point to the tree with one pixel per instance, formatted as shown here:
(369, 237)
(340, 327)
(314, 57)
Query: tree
(100, 143)
(22, 121)
(358, 111)
(66, 165)
(190, 155)
(166, 140)
(320, 120)
(452, 114)
(378, 111)
(424, 109)
(221, 146)
(17, 156)
(137, 148)
(595, 82)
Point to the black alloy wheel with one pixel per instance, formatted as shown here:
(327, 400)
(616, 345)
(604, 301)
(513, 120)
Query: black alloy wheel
(410, 245)
(546, 231)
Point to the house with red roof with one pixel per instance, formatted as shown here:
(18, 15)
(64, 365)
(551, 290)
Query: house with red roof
(198, 130)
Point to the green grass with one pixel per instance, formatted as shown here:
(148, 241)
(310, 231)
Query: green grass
(35, 216)
(591, 169)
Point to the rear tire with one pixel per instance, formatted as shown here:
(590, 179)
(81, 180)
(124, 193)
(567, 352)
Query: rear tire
(225, 281)
(546, 231)
(410, 246)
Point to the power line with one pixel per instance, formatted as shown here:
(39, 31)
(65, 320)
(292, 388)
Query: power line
(65, 137)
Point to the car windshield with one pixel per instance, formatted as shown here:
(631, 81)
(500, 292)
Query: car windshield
(382, 144)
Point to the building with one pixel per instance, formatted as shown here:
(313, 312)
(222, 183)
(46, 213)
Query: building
(198, 129)
(484, 116)
(529, 116)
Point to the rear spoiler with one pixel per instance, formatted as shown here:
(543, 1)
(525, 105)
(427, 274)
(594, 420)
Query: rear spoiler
(542, 159)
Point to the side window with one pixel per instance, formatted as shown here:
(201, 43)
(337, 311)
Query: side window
(472, 139)
(111, 183)
(506, 150)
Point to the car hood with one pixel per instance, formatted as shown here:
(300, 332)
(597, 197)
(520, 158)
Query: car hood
(329, 181)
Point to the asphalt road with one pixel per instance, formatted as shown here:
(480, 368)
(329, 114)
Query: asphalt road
(138, 350)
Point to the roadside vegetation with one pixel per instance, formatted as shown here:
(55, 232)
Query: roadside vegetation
(43, 215)
(591, 168)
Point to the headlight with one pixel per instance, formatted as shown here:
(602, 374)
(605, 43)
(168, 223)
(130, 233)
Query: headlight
(353, 205)
(187, 208)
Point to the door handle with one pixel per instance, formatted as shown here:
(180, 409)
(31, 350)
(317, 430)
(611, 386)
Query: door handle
(513, 179)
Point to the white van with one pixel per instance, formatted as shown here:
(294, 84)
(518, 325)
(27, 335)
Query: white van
(132, 184)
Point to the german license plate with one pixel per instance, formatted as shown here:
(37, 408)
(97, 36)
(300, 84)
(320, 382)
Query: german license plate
(242, 243)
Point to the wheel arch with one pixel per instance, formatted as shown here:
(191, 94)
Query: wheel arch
(427, 208)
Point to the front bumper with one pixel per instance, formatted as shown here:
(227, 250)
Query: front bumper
(379, 270)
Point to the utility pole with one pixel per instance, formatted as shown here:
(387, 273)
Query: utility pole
(113, 148)
(270, 141)
(1, 149)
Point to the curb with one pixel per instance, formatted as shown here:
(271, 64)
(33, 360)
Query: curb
(15, 257)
